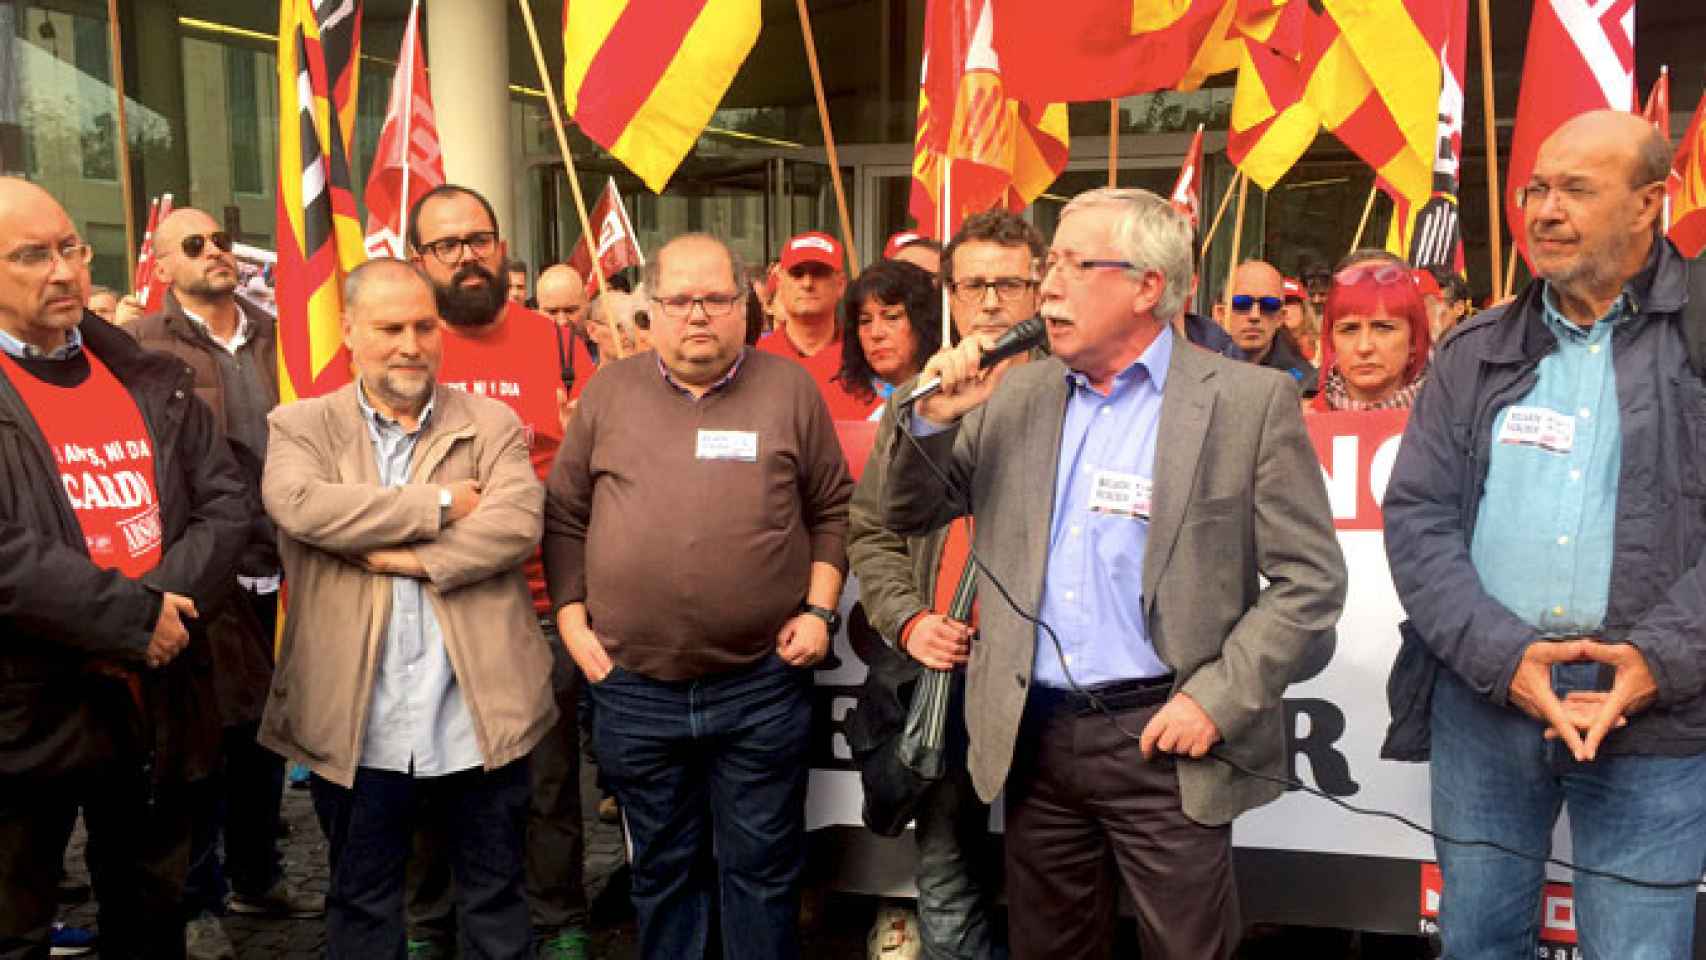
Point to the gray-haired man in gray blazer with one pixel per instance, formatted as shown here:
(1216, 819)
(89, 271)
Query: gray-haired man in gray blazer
(1134, 493)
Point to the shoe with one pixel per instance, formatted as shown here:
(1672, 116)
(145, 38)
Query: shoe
(297, 777)
(426, 950)
(70, 941)
(205, 939)
(609, 811)
(568, 944)
(894, 935)
(283, 900)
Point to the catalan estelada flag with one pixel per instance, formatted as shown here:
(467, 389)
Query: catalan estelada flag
(642, 77)
(319, 226)
(1688, 206)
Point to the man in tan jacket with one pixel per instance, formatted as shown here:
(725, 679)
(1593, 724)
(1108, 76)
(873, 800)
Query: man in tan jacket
(412, 679)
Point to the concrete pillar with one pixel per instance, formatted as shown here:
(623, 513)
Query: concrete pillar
(468, 56)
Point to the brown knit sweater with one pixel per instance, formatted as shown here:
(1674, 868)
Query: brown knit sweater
(690, 566)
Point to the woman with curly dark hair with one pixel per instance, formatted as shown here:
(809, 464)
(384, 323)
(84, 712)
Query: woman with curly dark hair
(892, 322)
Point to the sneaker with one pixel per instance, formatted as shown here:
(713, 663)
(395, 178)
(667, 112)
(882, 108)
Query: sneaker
(283, 900)
(205, 939)
(894, 935)
(568, 944)
(70, 941)
(609, 811)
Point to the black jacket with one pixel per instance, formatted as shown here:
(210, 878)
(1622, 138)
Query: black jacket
(71, 630)
(1658, 575)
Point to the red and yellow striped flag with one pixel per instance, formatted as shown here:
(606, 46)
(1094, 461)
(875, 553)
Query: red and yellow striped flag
(642, 77)
(319, 226)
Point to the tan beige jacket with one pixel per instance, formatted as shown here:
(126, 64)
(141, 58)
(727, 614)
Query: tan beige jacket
(322, 489)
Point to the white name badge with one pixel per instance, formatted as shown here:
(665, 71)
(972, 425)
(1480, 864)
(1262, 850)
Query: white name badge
(1539, 427)
(728, 445)
(1118, 494)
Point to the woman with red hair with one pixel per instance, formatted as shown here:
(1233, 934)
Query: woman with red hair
(1374, 338)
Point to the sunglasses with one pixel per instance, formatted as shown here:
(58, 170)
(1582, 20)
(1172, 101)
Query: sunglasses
(195, 243)
(1243, 302)
(1383, 274)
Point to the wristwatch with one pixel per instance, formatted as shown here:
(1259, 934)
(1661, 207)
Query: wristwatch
(828, 616)
(444, 501)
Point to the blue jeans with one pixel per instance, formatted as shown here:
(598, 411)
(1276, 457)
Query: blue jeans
(716, 761)
(370, 828)
(1495, 778)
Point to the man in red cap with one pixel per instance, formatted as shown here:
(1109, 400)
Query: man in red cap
(811, 281)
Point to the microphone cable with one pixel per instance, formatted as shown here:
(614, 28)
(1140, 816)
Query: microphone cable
(959, 499)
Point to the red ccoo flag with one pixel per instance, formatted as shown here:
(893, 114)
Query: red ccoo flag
(1187, 192)
(617, 247)
(1581, 57)
(1688, 212)
(407, 162)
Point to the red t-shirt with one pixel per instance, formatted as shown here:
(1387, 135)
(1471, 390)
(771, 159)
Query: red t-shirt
(823, 366)
(517, 362)
(106, 463)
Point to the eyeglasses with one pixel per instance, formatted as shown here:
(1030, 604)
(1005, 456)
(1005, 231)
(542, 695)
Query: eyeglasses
(195, 243)
(449, 250)
(1075, 269)
(74, 252)
(1382, 273)
(714, 305)
(1243, 303)
(1007, 289)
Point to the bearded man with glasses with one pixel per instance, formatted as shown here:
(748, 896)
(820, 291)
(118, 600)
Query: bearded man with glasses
(694, 535)
(230, 346)
(1253, 316)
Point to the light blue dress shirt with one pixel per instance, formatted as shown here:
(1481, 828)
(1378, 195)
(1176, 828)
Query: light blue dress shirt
(19, 349)
(1544, 532)
(418, 722)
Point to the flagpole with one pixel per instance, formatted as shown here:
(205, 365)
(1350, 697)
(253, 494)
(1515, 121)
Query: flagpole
(126, 187)
(828, 139)
(569, 164)
(1367, 208)
(1510, 274)
(627, 224)
(1495, 202)
(413, 39)
(1225, 198)
(1114, 142)
(1237, 238)
(947, 218)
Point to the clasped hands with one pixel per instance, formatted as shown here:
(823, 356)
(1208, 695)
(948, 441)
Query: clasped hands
(1582, 718)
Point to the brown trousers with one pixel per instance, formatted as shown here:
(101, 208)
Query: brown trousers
(1084, 806)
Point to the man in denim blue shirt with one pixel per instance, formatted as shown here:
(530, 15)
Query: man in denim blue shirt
(1544, 524)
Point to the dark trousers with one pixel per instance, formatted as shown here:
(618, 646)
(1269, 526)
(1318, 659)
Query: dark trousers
(138, 855)
(237, 808)
(370, 826)
(556, 846)
(1083, 807)
(717, 761)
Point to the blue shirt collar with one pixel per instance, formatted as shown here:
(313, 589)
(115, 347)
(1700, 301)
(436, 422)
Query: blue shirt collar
(21, 350)
(1153, 362)
(1563, 327)
(722, 381)
(380, 421)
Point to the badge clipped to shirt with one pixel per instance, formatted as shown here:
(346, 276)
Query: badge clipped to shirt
(1539, 427)
(741, 445)
(1118, 494)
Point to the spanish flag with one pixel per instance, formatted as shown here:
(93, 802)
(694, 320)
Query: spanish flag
(319, 226)
(642, 77)
(1688, 208)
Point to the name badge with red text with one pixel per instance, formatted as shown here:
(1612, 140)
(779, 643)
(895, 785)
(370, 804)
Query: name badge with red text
(1539, 427)
(1118, 494)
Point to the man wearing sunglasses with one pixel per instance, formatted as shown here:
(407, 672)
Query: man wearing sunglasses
(230, 346)
(122, 517)
(1254, 317)
(497, 347)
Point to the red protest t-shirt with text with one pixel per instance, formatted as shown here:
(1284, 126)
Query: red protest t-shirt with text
(105, 460)
(516, 361)
(823, 366)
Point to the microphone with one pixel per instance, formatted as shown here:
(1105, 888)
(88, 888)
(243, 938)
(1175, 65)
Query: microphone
(1019, 338)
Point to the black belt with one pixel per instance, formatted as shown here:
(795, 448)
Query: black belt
(1118, 695)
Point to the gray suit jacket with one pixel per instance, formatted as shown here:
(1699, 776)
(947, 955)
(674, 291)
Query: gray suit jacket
(1238, 497)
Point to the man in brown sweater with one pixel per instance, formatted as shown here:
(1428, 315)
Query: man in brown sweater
(694, 545)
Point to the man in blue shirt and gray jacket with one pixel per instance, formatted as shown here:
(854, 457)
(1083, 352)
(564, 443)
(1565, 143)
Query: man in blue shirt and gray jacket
(1544, 523)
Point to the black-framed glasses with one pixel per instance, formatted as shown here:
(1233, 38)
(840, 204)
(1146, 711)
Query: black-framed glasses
(1075, 269)
(449, 250)
(34, 256)
(195, 243)
(1243, 302)
(681, 307)
(1007, 289)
